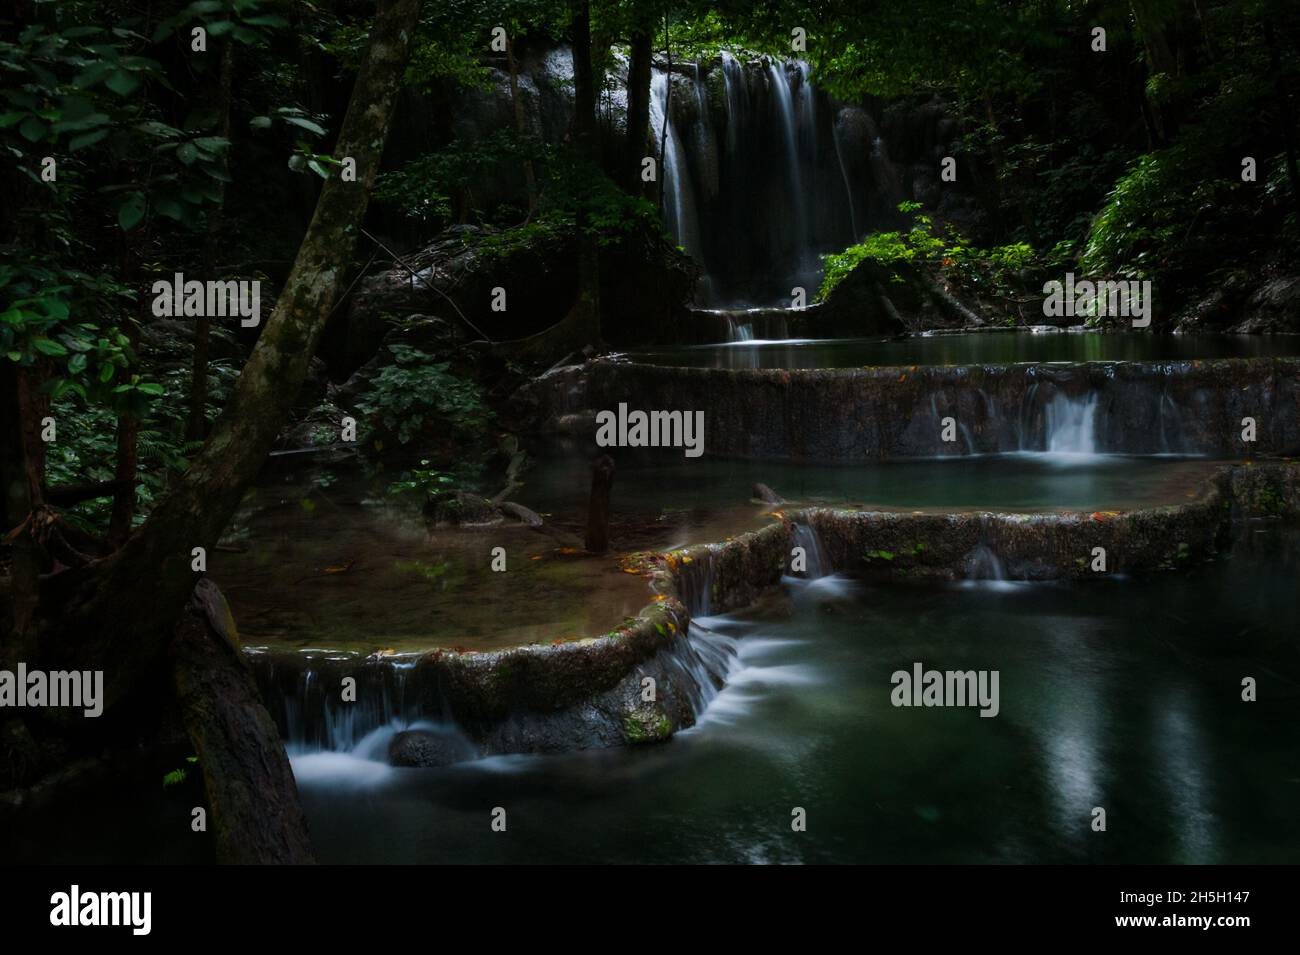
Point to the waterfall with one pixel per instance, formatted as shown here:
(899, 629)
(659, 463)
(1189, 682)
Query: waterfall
(742, 170)
(739, 332)
(1071, 426)
(780, 80)
(848, 182)
(679, 196)
(303, 697)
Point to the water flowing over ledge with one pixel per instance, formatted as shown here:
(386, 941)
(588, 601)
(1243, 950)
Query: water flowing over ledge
(858, 414)
(445, 707)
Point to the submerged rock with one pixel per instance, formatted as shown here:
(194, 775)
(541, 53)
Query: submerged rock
(427, 749)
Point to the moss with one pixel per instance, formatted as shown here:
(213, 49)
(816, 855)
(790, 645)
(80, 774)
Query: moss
(647, 725)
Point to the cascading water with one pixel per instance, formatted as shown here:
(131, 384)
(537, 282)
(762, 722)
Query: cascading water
(780, 83)
(1061, 426)
(679, 196)
(815, 562)
(1072, 426)
(742, 161)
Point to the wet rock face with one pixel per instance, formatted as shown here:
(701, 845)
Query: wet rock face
(1241, 304)
(1194, 407)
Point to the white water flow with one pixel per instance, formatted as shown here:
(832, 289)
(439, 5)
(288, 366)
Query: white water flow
(815, 562)
(790, 130)
(679, 196)
(1071, 426)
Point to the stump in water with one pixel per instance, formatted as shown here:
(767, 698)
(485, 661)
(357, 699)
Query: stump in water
(602, 479)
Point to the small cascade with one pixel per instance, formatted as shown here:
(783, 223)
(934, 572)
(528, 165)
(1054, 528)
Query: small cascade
(815, 563)
(1062, 426)
(984, 564)
(705, 665)
(695, 584)
(984, 571)
(1072, 426)
(748, 325)
(303, 697)
(738, 332)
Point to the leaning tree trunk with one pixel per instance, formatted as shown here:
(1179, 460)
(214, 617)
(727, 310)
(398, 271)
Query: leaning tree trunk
(118, 614)
(252, 796)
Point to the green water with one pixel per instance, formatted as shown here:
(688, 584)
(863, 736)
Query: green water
(1121, 694)
(686, 492)
(981, 348)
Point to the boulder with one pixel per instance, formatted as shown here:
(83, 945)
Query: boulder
(426, 749)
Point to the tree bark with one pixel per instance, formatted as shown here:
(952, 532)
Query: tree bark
(602, 481)
(253, 807)
(117, 614)
(22, 471)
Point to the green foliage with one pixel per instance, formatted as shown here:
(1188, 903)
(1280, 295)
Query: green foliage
(429, 483)
(417, 394)
(1142, 230)
(982, 271)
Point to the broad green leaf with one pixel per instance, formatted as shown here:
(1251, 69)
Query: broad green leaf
(48, 346)
(32, 129)
(86, 139)
(306, 124)
(131, 211)
(123, 82)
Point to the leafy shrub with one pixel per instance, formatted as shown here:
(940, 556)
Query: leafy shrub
(415, 393)
(989, 271)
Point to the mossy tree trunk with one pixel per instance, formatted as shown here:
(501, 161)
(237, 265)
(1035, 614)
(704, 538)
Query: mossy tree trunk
(117, 614)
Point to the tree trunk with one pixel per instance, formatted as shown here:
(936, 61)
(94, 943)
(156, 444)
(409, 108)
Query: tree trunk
(602, 481)
(117, 614)
(638, 109)
(22, 470)
(253, 805)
